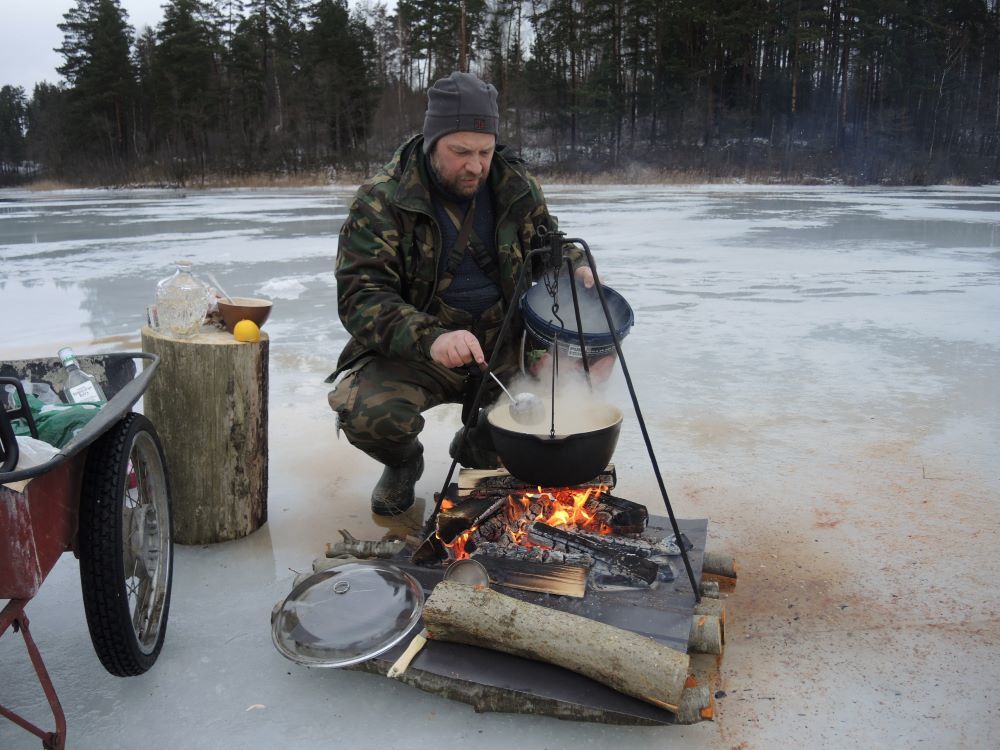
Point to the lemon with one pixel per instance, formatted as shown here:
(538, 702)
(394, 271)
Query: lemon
(246, 330)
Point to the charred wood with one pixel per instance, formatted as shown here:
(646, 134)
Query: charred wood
(626, 564)
(430, 550)
(624, 516)
(460, 517)
(635, 545)
(534, 554)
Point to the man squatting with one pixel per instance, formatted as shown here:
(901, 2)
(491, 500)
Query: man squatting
(426, 268)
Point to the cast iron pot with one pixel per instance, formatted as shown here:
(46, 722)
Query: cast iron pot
(560, 461)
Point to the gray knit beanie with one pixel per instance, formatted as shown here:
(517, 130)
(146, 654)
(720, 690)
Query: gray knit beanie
(460, 102)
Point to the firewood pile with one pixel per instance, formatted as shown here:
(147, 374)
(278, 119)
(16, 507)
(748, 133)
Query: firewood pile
(585, 616)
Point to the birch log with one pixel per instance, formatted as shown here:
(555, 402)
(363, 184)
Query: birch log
(706, 635)
(208, 402)
(630, 663)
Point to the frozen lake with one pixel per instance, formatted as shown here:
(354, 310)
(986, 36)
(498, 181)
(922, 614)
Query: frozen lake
(818, 368)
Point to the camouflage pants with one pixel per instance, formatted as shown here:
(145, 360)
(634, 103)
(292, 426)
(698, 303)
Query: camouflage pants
(380, 401)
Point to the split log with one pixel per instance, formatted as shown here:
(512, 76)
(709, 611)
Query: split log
(696, 705)
(364, 549)
(720, 565)
(720, 569)
(706, 635)
(628, 662)
(714, 607)
(709, 589)
(529, 575)
(473, 482)
(209, 404)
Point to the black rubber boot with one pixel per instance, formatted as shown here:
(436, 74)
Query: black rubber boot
(477, 451)
(393, 494)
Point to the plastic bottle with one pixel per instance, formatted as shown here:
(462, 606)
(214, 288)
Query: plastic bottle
(181, 302)
(80, 386)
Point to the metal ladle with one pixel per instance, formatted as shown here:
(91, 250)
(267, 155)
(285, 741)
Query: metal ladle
(525, 408)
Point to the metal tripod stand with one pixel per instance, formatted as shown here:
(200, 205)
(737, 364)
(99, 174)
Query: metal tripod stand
(555, 256)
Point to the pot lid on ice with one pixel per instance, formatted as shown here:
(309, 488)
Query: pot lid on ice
(347, 615)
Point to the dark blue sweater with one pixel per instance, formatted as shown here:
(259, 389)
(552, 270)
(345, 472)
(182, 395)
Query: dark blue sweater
(471, 289)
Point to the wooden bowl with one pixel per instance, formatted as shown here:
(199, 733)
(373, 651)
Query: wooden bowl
(244, 308)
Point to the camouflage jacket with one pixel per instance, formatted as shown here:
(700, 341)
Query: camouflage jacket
(387, 259)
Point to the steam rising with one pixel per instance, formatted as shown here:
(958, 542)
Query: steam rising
(578, 407)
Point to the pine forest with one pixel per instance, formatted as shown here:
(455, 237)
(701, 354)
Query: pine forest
(881, 91)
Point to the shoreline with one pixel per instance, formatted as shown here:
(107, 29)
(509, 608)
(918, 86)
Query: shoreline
(630, 175)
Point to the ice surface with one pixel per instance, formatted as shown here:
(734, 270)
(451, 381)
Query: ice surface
(817, 368)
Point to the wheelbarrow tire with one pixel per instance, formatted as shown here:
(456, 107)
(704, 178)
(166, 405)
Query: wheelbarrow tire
(125, 546)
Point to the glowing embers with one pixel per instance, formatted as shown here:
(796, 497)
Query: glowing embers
(583, 527)
(505, 522)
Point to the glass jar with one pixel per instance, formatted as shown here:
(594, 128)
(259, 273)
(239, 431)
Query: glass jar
(181, 302)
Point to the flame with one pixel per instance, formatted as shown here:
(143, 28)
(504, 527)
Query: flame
(457, 547)
(566, 507)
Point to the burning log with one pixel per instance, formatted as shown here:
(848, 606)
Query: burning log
(456, 518)
(623, 516)
(478, 482)
(634, 545)
(621, 563)
(630, 663)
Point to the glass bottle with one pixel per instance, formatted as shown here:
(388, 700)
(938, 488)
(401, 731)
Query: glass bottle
(181, 302)
(80, 386)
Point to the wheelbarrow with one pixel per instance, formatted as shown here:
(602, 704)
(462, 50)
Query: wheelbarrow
(106, 497)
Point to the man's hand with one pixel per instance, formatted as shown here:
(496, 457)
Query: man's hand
(457, 348)
(585, 276)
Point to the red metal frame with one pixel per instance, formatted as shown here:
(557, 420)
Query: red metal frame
(13, 614)
(39, 523)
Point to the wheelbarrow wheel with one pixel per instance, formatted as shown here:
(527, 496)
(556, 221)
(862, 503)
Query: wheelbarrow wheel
(125, 546)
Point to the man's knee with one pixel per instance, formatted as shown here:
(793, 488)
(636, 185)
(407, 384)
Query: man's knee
(380, 417)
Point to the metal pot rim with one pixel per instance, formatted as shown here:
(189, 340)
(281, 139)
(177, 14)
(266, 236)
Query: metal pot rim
(559, 437)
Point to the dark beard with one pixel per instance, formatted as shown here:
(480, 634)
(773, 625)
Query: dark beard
(454, 186)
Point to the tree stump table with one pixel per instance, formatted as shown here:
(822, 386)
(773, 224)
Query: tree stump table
(209, 404)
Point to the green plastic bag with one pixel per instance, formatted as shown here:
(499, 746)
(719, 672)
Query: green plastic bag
(57, 423)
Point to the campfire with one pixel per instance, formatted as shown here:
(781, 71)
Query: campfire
(546, 537)
(510, 524)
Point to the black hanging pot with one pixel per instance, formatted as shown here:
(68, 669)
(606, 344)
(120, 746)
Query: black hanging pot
(577, 455)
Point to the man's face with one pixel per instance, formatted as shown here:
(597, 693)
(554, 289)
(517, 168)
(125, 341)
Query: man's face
(462, 161)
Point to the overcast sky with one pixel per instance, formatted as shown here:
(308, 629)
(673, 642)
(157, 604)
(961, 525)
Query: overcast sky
(29, 33)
